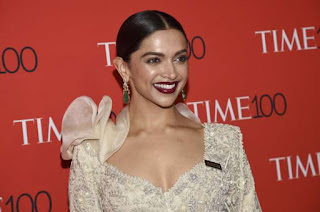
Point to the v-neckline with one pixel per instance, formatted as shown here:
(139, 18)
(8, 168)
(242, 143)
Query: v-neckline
(181, 176)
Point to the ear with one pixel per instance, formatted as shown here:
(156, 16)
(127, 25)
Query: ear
(122, 68)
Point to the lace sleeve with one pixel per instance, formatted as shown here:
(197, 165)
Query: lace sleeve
(250, 201)
(83, 179)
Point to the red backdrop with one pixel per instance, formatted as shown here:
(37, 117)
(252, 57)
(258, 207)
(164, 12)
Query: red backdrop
(254, 64)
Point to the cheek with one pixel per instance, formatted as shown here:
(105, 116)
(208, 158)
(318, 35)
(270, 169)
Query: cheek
(184, 72)
(142, 75)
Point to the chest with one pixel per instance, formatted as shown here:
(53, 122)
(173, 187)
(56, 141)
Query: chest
(200, 189)
(158, 159)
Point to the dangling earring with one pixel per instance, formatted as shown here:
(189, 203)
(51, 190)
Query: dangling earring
(126, 92)
(183, 94)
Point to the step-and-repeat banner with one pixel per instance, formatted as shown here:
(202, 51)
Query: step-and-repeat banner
(254, 64)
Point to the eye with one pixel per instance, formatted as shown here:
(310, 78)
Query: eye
(182, 58)
(153, 60)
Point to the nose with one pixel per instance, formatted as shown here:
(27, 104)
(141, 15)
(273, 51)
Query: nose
(169, 71)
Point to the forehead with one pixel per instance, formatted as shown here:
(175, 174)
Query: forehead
(169, 40)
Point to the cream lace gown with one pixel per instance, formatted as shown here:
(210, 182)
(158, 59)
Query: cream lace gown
(95, 185)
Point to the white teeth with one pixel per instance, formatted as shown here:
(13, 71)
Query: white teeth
(165, 86)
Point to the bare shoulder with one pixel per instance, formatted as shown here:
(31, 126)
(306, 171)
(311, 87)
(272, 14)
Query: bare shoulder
(190, 129)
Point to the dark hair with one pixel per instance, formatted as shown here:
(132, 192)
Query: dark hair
(139, 26)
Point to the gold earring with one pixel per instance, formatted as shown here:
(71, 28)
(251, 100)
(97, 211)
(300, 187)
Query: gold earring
(126, 92)
(183, 94)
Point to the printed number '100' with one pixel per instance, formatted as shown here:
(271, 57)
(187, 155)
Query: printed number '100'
(34, 203)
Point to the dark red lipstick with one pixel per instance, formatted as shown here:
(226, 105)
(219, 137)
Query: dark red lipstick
(166, 87)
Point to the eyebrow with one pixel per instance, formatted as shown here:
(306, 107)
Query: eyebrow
(161, 54)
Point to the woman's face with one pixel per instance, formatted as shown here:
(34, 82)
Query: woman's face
(159, 68)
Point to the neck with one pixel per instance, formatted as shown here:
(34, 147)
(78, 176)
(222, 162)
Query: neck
(146, 116)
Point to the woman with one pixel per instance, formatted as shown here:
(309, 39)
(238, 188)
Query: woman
(158, 156)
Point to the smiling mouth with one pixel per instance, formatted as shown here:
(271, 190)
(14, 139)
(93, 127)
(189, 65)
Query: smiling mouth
(166, 87)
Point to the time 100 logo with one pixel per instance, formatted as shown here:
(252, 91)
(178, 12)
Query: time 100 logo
(26, 201)
(13, 61)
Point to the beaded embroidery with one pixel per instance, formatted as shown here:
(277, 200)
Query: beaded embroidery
(103, 187)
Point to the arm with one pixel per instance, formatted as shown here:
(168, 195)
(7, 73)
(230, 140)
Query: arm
(89, 137)
(83, 179)
(250, 201)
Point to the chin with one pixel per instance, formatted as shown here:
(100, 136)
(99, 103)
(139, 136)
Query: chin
(166, 102)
